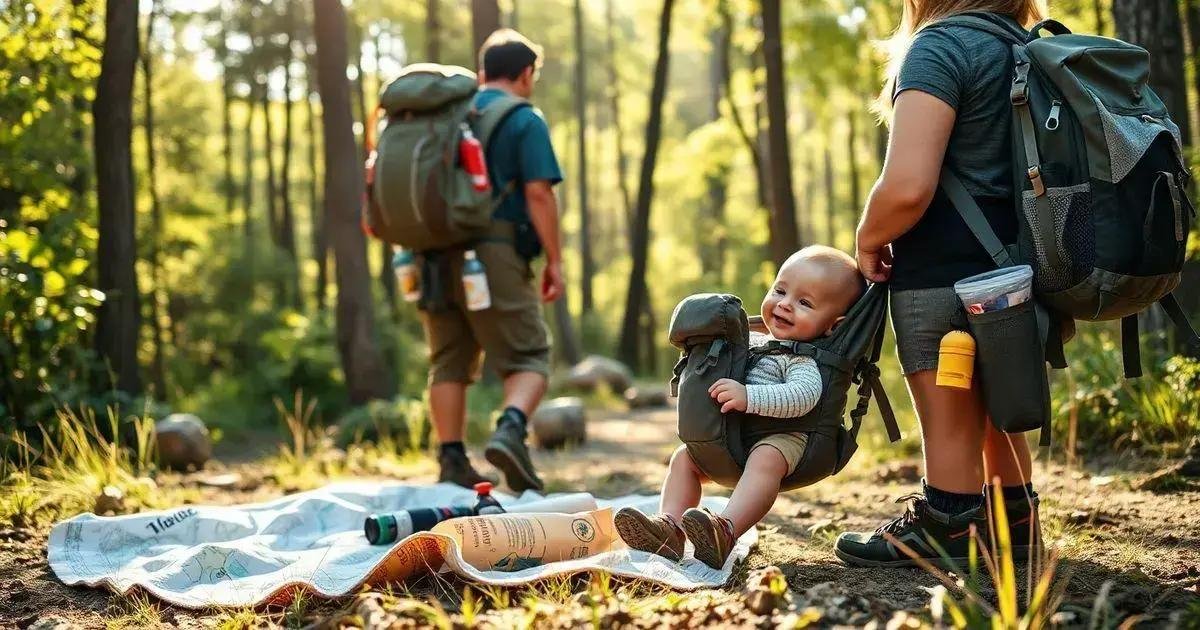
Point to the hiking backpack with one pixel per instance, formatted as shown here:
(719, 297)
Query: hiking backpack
(712, 332)
(1100, 182)
(418, 194)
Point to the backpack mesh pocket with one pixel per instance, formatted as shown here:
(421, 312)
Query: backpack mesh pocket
(1130, 136)
(1074, 236)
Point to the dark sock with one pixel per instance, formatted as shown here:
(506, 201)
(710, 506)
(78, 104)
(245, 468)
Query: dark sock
(1018, 493)
(951, 502)
(452, 448)
(513, 413)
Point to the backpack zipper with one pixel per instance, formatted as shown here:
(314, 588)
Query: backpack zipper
(412, 179)
(1052, 120)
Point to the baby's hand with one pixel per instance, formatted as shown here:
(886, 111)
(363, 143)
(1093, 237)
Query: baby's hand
(730, 393)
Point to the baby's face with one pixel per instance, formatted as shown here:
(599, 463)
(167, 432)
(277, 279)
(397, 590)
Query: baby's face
(805, 303)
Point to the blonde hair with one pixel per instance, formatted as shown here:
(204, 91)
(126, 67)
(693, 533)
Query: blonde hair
(921, 13)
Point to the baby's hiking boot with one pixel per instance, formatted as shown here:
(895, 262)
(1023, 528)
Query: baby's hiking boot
(658, 534)
(923, 530)
(711, 535)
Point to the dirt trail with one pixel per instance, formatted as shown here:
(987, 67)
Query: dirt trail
(1148, 544)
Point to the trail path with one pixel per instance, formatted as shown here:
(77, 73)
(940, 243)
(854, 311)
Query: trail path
(1147, 543)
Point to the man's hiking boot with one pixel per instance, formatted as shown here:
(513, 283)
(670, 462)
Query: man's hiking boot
(1024, 525)
(506, 451)
(658, 534)
(711, 535)
(919, 525)
(456, 468)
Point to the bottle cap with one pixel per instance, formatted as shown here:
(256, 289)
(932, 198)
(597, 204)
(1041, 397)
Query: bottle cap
(469, 254)
(960, 341)
(483, 488)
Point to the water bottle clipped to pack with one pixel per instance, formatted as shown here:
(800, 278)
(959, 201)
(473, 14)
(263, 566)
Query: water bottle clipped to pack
(475, 283)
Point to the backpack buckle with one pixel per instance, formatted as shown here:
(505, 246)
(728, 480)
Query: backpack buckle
(1035, 176)
(1019, 94)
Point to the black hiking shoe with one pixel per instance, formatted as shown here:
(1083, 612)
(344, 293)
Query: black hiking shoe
(456, 468)
(506, 451)
(1024, 525)
(916, 528)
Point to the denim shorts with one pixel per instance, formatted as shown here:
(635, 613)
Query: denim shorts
(920, 318)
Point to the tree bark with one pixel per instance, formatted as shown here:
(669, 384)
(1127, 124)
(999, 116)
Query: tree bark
(433, 32)
(226, 117)
(783, 202)
(485, 20)
(158, 369)
(713, 241)
(614, 97)
(585, 228)
(830, 199)
(1098, 9)
(118, 320)
(636, 295)
(1191, 13)
(856, 202)
(287, 214)
(387, 276)
(272, 194)
(362, 364)
(735, 113)
(1156, 25)
(248, 183)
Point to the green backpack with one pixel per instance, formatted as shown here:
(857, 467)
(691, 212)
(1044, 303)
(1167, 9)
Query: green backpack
(712, 333)
(419, 196)
(1102, 206)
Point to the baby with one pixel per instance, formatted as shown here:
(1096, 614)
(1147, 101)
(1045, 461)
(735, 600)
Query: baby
(811, 294)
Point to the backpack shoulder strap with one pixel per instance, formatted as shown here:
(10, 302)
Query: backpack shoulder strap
(973, 216)
(489, 119)
(802, 349)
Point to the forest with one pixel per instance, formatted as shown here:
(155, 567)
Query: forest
(180, 195)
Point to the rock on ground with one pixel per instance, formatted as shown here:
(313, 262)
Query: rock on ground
(590, 373)
(183, 441)
(559, 422)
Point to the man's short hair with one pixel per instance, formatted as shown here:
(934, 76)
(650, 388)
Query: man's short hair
(506, 54)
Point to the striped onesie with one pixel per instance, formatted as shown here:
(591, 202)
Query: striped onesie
(783, 386)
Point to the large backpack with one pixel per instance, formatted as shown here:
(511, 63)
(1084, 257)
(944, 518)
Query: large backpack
(712, 332)
(1100, 182)
(419, 196)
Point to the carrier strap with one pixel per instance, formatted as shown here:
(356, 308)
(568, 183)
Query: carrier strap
(980, 24)
(870, 384)
(800, 348)
(973, 216)
(1131, 346)
(1171, 306)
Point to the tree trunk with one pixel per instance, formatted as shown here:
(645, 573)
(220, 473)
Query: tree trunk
(735, 113)
(783, 202)
(248, 183)
(712, 236)
(118, 321)
(80, 184)
(320, 247)
(566, 342)
(271, 196)
(830, 199)
(362, 364)
(433, 32)
(856, 202)
(227, 187)
(585, 228)
(1098, 9)
(158, 371)
(485, 20)
(1156, 25)
(1191, 13)
(614, 97)
(636, 295)
(287, 216)
(387, 277)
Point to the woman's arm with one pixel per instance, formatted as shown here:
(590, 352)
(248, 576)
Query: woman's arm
(921, 126)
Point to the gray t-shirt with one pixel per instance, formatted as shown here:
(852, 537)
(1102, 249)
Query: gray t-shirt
(970, 70)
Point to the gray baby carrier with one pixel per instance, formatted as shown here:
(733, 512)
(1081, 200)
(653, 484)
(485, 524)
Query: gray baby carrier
(713, 333)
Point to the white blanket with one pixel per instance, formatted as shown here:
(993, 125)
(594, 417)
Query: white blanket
(202, 556)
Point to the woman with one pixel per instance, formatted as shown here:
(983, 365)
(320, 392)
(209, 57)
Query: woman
(950, 103)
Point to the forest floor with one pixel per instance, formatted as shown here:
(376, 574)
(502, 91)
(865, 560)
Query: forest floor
(1140, 548)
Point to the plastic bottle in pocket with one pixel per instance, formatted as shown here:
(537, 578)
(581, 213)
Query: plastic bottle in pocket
(475, 283)
(408, 279)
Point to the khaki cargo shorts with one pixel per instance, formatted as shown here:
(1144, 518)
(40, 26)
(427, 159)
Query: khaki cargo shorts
(790, 445)
(512, 332)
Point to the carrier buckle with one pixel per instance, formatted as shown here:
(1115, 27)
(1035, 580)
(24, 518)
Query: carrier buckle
(1035, 176)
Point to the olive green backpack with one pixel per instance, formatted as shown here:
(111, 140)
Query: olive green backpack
(712, 332)
(420, 197)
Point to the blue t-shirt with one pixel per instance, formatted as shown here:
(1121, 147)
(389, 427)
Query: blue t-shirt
(518, 151)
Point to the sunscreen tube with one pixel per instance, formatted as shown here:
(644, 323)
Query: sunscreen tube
(511, 542)
(956, 360)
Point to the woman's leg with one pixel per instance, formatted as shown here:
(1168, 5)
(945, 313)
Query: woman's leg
(681, 488)
(757, 489)
(953, 426)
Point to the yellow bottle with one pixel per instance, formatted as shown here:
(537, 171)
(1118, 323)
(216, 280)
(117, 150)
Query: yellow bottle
(956, 360)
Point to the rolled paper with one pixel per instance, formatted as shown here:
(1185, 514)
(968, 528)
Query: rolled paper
(563, 503)
(512, 542)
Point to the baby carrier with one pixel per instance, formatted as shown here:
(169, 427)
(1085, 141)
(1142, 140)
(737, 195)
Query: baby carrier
(713, 333)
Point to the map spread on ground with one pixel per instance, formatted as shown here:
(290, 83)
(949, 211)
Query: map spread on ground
(202, 556)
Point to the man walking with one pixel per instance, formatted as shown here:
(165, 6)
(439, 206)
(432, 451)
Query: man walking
(523, 171)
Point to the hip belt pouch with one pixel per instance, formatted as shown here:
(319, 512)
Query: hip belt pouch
(1011, 360)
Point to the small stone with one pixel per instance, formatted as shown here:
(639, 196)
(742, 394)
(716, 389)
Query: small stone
(559, 422)
(183, 441)
(645, 397)
(904, 472)
(765, 590)
(595, 370)
(54, 623)
(1102, 480)
(111, 500)
(224, 481)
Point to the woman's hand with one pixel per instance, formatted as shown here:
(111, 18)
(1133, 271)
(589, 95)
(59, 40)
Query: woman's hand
(730, 393)
(875, 266)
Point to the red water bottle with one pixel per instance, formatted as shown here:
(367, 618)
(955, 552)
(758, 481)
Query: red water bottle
(470, 152)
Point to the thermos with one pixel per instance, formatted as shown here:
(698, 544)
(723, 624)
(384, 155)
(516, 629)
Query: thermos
(956, 360)
(475, 284)
(470, 153)
(385, 529)
(408, 279)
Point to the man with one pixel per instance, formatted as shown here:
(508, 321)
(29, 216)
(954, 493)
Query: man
(523, 171)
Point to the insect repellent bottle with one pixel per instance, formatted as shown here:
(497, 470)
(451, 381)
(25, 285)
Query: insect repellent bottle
(475, 284)
(408, 279)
